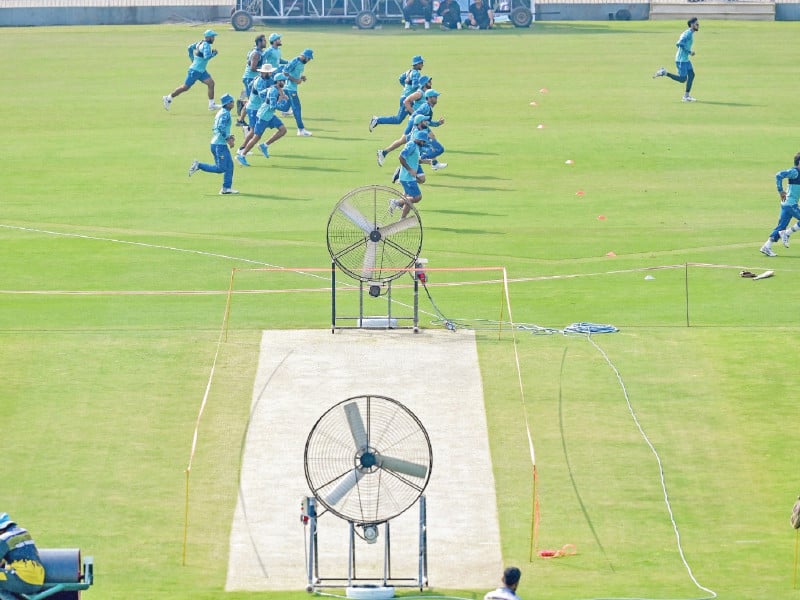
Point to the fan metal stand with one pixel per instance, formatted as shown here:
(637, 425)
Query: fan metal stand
(381, 587)
(375, 289)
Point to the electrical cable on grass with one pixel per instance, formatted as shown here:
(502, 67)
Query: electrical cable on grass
(662, 478)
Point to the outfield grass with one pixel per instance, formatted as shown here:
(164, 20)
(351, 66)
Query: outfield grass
(107, 344)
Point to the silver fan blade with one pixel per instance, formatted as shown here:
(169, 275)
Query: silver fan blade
(367, 271)
(399, 226)
(356, 217)
(347, 483)
(356, 425)
(398, 465)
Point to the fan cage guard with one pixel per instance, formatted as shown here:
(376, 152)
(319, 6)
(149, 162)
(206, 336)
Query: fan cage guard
(369, 243)
(378, 478)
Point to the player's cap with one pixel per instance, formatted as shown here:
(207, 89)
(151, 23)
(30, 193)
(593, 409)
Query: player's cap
(421, 135)
(5, 521)
(421, 119)
(416, 60)
(226, 99)
(431, 93)
(423, 80)
(274, 36)
(210, 33)
(266, 68)
(280, 77)
(308, 53)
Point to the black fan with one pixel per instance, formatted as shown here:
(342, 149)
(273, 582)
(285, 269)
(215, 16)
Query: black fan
(368, 240)
(368, 459)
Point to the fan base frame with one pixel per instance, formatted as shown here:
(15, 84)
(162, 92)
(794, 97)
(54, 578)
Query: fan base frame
(362, 321)
(315, 582)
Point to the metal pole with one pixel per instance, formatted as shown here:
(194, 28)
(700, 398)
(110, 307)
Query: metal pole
(686, 290)
(333, 296)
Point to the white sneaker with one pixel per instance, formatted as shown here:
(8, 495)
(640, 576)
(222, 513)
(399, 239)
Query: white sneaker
(688, 99)
(438, 165)
(373, 123)
(303, 133)
(288, 113)
(194, 168)
(785, 237)
(381, 157)
(767, 251)
(427, 25)
(408, 25)
(167, 101)
(660, 73)
(393, 204)
(224, 191)
(214, 106)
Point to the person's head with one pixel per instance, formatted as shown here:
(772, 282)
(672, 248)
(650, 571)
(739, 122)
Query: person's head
(693, 24)
(5, 521)
(511, 577)
(261, 41)
(425, 83)
(432, 97)
(266, 70)
(280, 80)
(226, 101)
(421, 137)
(210, 35)
(417, 62)
(275, 40)
(797, 159)
(421, 121)
(306, 55)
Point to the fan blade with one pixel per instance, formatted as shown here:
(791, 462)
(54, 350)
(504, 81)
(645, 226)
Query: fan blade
(356, 425)
(347, 483)
(356, 217)
(398, 465)
(367, 271)
(399, 226)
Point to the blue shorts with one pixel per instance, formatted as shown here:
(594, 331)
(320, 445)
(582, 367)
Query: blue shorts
(411, 188)
(252, 117)
(262, 126)
(684, 68)
(193, 77)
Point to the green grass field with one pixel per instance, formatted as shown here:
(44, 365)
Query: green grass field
(107, 342)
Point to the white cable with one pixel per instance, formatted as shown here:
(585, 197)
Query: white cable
(712, 593)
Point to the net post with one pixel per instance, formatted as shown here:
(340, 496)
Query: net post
(185, 518)
(226, 319)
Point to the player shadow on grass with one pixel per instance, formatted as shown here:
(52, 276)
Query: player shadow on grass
(306, 168)
(472, 188)
(314, 158)
(740, 104)
(272, 197)
(449, 151)
(462, 231)
(468, 213)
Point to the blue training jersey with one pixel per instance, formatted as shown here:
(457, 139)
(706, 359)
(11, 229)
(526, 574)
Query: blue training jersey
(684, 46)
(412, 81)
(793, 193)
(294, 69)
(272, 56)
(411, 153)
(258, 91)
(222, 127)
(202, 54)
(248, 72)
(267, 110)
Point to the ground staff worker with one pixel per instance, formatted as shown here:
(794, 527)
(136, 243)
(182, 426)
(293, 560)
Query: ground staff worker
(21, 570)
